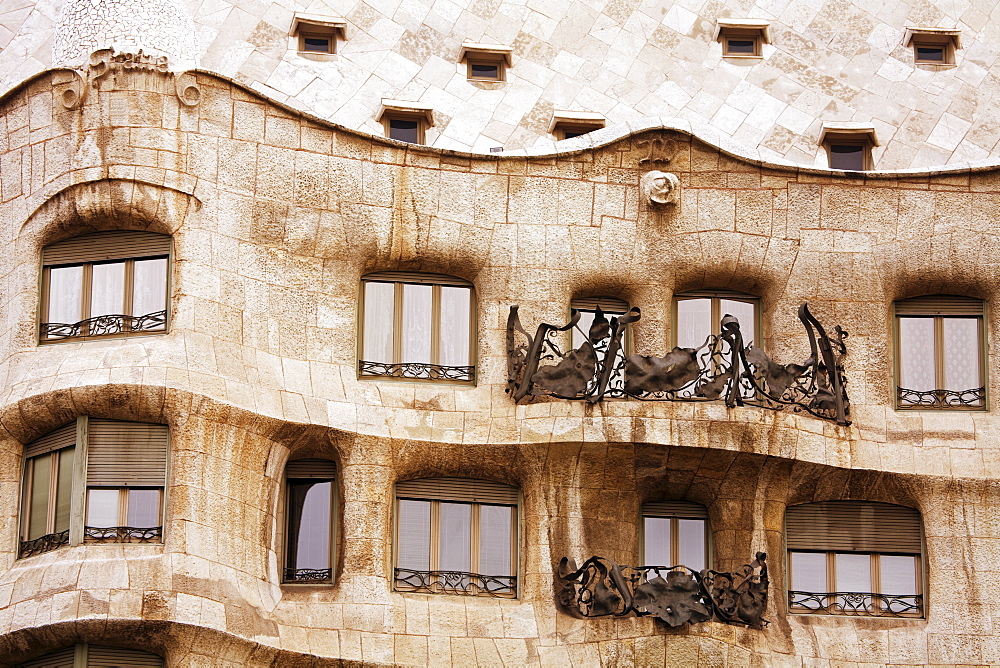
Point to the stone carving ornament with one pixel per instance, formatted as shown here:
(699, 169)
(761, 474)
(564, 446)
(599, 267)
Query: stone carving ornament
(660, 187)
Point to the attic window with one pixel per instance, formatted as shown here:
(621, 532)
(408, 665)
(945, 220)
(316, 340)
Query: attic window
(849, 146)
(486, 62)
(406, 121)
(742, 38)
(569, 124)
(933, 46)
(317, 35)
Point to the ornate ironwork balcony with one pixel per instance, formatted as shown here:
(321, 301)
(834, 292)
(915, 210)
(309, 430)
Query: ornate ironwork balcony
(852, 603)
(417, 371)
(675, 594)
(721, 368)
(123, 534)
(103, 325)
(49, 541)
(455, 582)
(941, 399)
(309, 575)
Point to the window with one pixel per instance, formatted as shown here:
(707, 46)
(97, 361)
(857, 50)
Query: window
(85, 655)
(611, 308)
(456, 536)
(675, 533)
(933, 46)
(854, 558)
(698, 315)
(315, 35)
(113, 471)
(105, 284)
(849, 146)
(485, 62)
(569, 124)
(940, 361)
(310, 499)
(417, 327)
(406, 121)
(742, 38)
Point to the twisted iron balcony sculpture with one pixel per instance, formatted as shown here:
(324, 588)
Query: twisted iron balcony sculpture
(49, 541)
(675, 594)
(721, 368)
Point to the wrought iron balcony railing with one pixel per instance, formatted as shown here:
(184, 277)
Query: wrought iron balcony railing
(865, 604)
(417, 371)
(49, 541)
(676, 594)
(103, 325)
(941, 399)
(721, 368)
(455, 582)
(318, 575)
(123, 534)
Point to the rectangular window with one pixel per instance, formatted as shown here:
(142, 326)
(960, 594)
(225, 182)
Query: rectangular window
(485, 71)
(848, 157)
(310, 499)
(675, 533)
(610, 308)
(405, 129)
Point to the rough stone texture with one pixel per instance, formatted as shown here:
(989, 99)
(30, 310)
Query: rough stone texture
(276, 216)
(633, 62)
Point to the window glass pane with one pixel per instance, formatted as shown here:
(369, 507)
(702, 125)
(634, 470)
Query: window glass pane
(746, 313)
(404, 130)
(495, 542)
(65, 294)
(740, 46)
(485, 71)
(417, 323)
(456, 306)
(102, 508)
(316, 44)
(854, 572)
(39, 509)
(694, 322)
(143, 508)
(379, 300)
(414, 535)
(656, 542)
(456, 537)
(691, 544)
(107, 293)
(916, 354)
(847, 156)
(932, 53)
(64, 490)
(582, 328)
(149, 293)
(898, 575)
(961, 354)
(309, 506)
(809, 572)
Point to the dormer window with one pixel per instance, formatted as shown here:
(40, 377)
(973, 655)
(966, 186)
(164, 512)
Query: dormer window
(317, 35)
(486, 62)
(569, 124)
(933, 46)
(742, 38)
(406, 121)
(849, 146)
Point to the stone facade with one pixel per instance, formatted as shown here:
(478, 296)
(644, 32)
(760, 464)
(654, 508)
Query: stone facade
(275, 217)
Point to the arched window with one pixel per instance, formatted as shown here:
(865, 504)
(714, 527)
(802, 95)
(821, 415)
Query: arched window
(85, 655)
(105, 284)
(854, 558)
(94, 480)
(417, 327)
(698, 314)
(675, 533)
(456, 536)
(940, 361)
(310, 500)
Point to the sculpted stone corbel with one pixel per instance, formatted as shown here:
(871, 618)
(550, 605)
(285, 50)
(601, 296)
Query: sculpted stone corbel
(660, 187)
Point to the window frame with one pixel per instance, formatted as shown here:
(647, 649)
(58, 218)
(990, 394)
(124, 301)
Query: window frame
(402, 110)
(78, 656)
(648, 510)
(86, 291)
(875, 575)
(564, 130)
(939, 353)
(498, 63)
(493, 55)
(434, 536)
(948, 40)
(437, 281)
(334, 537)
(727, 34)
(314, 26)
(851, 140)
(716, 297)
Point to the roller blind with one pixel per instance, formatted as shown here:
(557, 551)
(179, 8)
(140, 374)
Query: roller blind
(853, 526)
(416, 277)
(63, 437)
(101, 246)
(722, 294)
(61, 659)
(126, 454)
(682, 509)
(119, 657)
(607, 304)
(311, 468)
(468, 490)
(941, 305)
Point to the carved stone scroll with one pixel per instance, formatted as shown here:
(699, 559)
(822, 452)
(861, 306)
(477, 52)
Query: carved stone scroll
(106, 63)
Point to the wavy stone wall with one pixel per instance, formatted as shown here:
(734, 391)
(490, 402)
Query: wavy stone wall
(276, 216)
